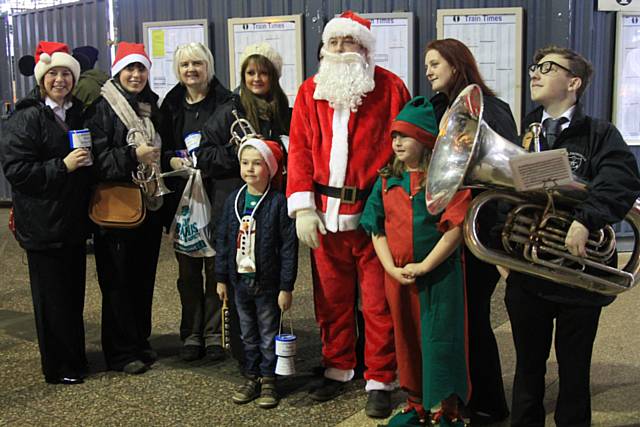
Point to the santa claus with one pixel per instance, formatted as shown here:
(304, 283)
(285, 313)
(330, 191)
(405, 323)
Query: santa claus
(340, 137)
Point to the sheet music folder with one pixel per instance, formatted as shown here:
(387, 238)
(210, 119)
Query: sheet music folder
(537, 171)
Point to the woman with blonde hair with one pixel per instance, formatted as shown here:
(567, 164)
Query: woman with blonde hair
(186, 108)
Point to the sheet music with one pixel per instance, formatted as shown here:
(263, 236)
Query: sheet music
(536, 171)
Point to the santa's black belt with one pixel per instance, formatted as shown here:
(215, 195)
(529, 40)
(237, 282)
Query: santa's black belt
(346, 194)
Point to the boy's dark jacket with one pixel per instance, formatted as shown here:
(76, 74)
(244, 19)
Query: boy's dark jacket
(50, 204)
(276, 244)
(599, 155)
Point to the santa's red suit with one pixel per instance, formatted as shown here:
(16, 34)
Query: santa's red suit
(334, 157)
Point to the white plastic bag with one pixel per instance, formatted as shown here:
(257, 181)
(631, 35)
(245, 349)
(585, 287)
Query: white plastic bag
(190, 229)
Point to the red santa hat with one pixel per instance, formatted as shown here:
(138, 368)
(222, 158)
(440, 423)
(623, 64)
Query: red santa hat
(270, 151)
(351, 24)
(53, 54)
(128, 53)
(265, 50)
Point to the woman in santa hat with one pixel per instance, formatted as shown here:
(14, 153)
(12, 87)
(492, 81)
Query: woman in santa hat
(123, 123)
(50, 190)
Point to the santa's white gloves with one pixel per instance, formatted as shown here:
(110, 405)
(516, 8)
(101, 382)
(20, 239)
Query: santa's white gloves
(308, 224)
(577, 239)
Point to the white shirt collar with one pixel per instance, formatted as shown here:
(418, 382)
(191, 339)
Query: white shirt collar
(57, 109)
(568, 114)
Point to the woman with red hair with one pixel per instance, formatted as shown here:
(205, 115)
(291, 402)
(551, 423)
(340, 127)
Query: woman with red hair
(450, 67)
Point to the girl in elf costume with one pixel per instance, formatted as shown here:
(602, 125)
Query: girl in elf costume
(424, 282)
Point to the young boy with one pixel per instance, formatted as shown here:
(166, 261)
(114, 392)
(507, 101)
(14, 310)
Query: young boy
(257, 254)
(599, 155)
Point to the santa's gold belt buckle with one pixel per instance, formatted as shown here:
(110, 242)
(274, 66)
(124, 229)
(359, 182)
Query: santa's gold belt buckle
(348, 195)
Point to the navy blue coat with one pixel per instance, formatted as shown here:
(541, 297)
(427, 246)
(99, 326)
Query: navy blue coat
(276, 246)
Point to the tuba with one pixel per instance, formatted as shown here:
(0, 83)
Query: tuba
(468, 153)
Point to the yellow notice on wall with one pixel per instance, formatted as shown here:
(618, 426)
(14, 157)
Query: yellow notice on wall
(157, 43)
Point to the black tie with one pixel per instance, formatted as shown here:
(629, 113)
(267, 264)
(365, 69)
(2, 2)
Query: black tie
(552, 128)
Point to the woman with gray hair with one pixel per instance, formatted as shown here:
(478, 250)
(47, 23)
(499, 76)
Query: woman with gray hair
(186, 108)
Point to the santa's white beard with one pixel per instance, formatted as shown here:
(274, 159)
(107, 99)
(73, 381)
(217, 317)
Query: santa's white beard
(343, 79)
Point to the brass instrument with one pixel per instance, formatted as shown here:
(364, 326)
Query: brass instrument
(241, 130)
(536, 130)
(148, 177)
(469, 153)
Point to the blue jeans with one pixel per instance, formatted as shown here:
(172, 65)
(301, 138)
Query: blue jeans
(259, 320)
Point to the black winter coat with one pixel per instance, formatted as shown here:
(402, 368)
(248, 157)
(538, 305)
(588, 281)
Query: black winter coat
(114, 159)
(276, 245)
(172, 110)
(599, 155)
(497, 114)
(50, 204)
(218, 158)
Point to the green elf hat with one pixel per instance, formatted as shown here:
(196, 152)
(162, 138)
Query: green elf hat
(418, 121)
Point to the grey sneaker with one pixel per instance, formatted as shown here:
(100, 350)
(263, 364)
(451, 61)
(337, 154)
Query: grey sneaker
(268, 395)
(247, 392)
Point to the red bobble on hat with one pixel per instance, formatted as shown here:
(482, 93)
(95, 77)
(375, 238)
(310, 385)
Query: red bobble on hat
(44, 50)
(54, 54)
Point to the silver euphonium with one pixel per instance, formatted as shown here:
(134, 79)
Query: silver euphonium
(468, 153)
(148, 176)
(241, 130)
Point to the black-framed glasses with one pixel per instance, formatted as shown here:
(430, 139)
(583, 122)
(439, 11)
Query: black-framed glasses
(545, 67)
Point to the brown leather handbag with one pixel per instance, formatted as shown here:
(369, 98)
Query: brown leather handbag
(117, 205)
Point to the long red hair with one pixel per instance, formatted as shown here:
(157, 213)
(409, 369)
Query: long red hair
(458, 55)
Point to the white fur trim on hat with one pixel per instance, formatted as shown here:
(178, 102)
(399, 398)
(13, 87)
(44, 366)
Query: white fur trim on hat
(264, 151)
(57, 59)
(343, 27)
(265, 50)
(130, 59)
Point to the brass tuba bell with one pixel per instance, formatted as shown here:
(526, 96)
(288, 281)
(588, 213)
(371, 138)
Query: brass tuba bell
(468, 153)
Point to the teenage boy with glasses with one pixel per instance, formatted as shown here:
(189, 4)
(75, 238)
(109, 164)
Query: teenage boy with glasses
(599, 155)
